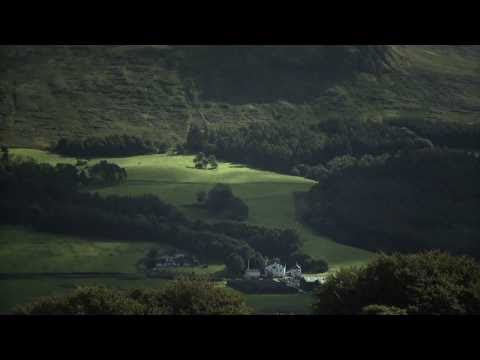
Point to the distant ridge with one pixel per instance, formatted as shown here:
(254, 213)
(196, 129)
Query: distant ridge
(156, 91)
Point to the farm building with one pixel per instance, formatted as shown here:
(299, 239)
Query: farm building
(295, 272)
(275, 270)
(252, 274)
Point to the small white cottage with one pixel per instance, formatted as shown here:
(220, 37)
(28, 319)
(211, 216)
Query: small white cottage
(275, 270)
(295, 272)
(252, 274)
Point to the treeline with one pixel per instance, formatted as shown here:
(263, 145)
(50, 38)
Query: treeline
(41, 196)
(281, 146)
(183, 296)
(113, 145)
(453, 134)
(431, 283)
(411, 201)
(272, 243)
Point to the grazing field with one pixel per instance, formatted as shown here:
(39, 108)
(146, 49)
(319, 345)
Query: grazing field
(269, 197)
(24, 251)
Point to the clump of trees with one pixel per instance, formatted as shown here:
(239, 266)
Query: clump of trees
(5, 153)
(49, 198)
(235, 265)
(202, 161)
(105, 173)
(431, 283)
(220, 201)
(284, 244)
(452, 134)
(112, 145)
(284, 145)
(184, 296)
(412, 201)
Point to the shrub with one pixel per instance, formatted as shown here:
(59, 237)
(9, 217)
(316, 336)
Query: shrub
(427, 283)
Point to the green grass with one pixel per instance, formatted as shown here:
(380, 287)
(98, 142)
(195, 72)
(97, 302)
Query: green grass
(26, 251)
(269, 197)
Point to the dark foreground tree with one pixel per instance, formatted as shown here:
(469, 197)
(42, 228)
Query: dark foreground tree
(5, 153)
(431, 283)
(193, 296)
(186, 296)
(383, 310)
(87, 301)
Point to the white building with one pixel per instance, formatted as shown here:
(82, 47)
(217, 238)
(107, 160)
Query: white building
(295, 272)
(252, 274)
(275, 270)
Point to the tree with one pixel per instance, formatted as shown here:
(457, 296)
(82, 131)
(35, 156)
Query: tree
(198, 296)
(5, 153)
(200, 161)
(235, 265)
(201, 196)
(431, 283)
(81, 163)
(219, 198)
(85, 301)
(195, 138)
(295, 171)
(237, 210)
(107, 173)
(184, 296)
(383, 310)
(151, 258)
(212, 161)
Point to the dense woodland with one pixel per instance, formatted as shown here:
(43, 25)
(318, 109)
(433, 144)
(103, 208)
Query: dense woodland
(411, 201)
(54, 199)
(282, 146)
(406, 184)
(113, 145)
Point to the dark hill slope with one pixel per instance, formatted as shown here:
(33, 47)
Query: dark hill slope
(47, 92)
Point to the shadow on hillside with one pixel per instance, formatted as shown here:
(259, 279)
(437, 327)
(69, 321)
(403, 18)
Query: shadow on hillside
(193, 167)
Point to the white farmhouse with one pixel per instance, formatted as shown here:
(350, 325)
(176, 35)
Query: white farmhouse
(252, 274)
(275, 270)
(295, 272)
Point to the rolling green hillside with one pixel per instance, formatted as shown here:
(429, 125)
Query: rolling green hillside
(47, 92)
(268, 195)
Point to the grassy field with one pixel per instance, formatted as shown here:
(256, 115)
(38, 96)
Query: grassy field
(269, 197)
(26, 251)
